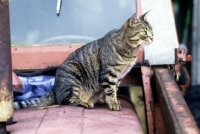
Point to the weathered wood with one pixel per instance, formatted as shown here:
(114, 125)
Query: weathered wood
(6, 97)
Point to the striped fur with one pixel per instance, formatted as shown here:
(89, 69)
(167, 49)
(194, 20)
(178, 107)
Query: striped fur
(96, 69)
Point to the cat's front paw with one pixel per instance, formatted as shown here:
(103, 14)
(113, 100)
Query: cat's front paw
(115, 106)
(88, 105)
(77, 102)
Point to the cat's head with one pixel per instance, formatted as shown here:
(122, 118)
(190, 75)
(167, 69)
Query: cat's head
(138, 31)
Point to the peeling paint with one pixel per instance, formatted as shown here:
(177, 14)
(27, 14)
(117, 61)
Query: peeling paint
(5, 94)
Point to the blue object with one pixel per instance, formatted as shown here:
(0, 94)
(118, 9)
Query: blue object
(34, 87)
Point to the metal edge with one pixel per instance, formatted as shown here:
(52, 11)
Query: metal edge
(177, 117)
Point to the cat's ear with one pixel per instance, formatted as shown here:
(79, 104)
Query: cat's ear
(144, 16)
(133, 20)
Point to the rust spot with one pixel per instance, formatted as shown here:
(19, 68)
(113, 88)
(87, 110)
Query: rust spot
(5, 55)
(189, 58)
(180, 51)
(5, 94)
(4, 2)
(180, 59)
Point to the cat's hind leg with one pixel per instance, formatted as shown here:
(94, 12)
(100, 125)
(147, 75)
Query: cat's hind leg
(81, 97)
(98, 97)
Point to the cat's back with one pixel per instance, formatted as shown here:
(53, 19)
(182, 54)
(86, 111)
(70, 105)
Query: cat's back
(88, 58)
(92, 49)
(83, 63)
(85, 53)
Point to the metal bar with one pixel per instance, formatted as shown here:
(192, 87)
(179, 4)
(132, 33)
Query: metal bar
(176, 115)
(6, 95)
(149, 101)
(139, 7)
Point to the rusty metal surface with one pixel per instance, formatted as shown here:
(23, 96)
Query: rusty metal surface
(159, 124)
(180, 55)
(149, 101)
(6, 98)
(153, 111)
(177, 117)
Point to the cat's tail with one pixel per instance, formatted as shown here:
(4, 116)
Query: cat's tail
(46, 100)
(46, 71)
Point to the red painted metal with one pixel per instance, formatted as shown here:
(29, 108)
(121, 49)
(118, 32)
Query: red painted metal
(38, 57)
(139, 7)
(149, 102)
(177, 117)
(153, 112)
(159, 124)
(77, 120)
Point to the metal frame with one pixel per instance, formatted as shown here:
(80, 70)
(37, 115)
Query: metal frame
(6, 95)
(177, 117)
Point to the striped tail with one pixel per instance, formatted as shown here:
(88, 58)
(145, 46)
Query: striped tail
(46, 100)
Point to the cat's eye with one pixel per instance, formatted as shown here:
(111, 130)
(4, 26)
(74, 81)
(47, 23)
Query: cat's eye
(143, 33)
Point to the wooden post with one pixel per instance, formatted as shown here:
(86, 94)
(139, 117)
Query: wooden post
(196, 44)
(6, 94)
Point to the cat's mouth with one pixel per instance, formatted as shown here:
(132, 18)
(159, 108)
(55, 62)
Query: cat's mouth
(143, 45)
(140, 46)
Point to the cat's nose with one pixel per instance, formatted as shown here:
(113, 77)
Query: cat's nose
(151, 37)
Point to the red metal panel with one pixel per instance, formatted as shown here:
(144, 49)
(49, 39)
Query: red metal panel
(111, 122)
(38, 57)
(62, 120)
(139, 7)
(76, 120)
(28, 121)
(153, 112)
(149, 102)
(177, 117)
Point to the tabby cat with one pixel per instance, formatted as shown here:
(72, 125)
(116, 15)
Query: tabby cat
(96, 69)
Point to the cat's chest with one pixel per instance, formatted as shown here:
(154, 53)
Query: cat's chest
(126, 69)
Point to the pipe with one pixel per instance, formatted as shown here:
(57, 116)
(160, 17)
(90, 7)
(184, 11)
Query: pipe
(6, 94)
